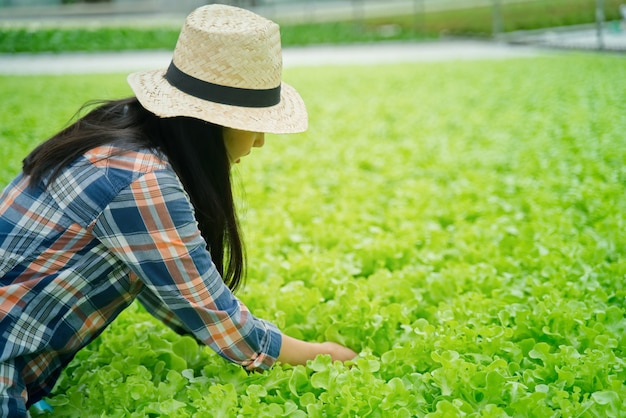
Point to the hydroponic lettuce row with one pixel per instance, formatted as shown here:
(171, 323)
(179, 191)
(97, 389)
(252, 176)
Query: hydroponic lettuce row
(461, 225)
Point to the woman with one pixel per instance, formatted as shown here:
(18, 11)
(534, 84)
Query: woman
(134, 201)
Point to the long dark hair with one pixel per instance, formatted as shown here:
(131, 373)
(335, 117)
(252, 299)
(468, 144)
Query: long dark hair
(194, 148)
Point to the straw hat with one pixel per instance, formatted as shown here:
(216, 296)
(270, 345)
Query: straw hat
(226, 69)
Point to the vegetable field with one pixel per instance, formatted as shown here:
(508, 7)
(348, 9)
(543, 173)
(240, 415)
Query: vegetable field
(462, 225)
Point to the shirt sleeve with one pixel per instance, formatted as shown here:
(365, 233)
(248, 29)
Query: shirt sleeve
(157, 308)
(150, 226)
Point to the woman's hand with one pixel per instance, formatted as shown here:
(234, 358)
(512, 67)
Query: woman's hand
(295, 352)
(337, 351)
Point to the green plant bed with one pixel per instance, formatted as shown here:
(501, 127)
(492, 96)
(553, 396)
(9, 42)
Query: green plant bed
(349, 32)
(85, 39)
(465, 22)
(527, 15)
(461, 225)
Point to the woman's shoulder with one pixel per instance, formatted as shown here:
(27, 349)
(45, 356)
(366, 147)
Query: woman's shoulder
(87, 186)
(141, 161)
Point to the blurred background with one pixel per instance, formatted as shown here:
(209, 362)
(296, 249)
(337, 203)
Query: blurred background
(153, 24)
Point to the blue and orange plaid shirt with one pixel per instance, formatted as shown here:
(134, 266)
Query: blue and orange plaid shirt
(109, 229)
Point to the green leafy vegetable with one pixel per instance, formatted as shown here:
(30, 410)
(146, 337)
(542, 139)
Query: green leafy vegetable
(461, 225)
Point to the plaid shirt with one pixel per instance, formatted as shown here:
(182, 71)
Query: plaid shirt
(109, 229)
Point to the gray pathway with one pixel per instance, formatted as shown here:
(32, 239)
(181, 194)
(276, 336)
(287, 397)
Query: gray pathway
(583, 37)
(365, 54)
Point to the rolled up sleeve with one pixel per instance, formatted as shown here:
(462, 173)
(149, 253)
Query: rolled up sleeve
(150, 226)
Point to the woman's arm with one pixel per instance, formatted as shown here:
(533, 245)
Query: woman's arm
(150, 226)
(295, 352)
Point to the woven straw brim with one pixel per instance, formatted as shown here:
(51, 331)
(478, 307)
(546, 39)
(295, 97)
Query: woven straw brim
(159, 97)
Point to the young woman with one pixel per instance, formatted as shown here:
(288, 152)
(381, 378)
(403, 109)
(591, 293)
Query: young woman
(133, 201)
